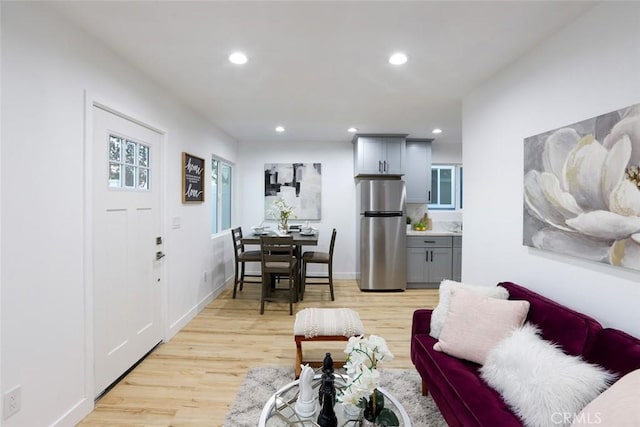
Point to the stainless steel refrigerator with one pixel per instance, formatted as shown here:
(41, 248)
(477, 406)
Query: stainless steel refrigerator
(381, 249)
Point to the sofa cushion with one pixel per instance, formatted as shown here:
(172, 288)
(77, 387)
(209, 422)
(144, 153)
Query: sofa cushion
(574, 331)
(475, 323)
(444, 292)
(615, 350)
(615, 407)
(539, 381)
(460, 387)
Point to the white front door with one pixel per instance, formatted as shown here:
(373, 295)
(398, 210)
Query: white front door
(126, 244)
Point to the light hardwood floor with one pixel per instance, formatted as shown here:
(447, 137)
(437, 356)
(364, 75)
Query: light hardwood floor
(192, 380)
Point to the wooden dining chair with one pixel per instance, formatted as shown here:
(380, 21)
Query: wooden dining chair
(278, 258)
(241, 258)
(315, 257)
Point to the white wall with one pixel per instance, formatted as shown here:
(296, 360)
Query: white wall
(338, 191)
(46, 67)
(588, 69)
(446, 153)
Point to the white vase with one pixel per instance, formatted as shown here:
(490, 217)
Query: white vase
(351, 412)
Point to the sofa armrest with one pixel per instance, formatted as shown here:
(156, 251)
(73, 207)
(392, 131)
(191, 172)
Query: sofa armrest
(421, 321)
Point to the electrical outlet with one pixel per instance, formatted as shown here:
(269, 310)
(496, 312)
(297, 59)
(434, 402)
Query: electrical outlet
(12, 402)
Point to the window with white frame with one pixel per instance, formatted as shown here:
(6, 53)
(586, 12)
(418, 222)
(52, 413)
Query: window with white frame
(221, 175)
(446, 187)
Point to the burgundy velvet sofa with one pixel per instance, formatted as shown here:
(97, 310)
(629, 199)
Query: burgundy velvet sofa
(465, 400)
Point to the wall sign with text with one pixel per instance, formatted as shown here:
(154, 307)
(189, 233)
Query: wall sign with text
(192, 178)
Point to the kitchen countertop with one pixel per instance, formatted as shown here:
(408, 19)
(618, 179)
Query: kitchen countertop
(433, 233)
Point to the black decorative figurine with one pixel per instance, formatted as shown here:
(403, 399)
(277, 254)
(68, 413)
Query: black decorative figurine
(327, 394)
(327, 417)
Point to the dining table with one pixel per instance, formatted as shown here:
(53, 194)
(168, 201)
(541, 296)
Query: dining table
(299, 240)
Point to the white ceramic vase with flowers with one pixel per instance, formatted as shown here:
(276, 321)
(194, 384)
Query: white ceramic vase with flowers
(282, 212)
(364, 355)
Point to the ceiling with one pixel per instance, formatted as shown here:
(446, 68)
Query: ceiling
(320, 67)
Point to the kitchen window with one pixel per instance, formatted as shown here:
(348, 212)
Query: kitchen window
(446, 187)
(221, 180)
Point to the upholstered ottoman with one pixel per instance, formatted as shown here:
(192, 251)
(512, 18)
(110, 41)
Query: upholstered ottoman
(324, 324)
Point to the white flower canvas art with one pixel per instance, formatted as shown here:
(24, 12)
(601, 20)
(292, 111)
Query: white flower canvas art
(582, 189)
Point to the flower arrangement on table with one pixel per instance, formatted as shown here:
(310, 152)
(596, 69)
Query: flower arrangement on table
(282, 212)
(364, 354)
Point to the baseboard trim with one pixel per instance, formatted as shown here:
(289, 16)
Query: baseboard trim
(76, 414)
(177, 326)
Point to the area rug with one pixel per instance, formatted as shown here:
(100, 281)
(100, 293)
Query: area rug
(261, 383)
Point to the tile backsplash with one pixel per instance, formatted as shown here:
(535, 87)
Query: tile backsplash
(442, 220)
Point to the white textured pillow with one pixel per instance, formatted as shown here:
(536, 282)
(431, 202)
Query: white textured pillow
(441, 310)
(539, 381)
(616, 407)
(476, 323)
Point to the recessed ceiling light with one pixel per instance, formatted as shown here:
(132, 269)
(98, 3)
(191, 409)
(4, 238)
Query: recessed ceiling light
(398, 58)
(238, 58)
(279, 129)
(352, 130)
(436, 130)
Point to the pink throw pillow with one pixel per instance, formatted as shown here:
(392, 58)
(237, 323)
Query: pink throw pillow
(615, 407)
(476, 323)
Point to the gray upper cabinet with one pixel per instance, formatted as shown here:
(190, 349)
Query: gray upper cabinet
(418, 170)
(379, 154)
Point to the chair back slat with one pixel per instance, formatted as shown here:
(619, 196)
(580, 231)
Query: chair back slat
(277, 249)
(238, 246)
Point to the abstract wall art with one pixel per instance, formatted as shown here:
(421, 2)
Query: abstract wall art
(582, 189)
(298, 184)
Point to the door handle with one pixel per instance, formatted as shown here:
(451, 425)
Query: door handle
(426, 256)
(385, 165)
(379, 166)
(431, 256)
(160, 255)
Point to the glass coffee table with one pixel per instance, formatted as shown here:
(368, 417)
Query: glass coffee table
(279, 409)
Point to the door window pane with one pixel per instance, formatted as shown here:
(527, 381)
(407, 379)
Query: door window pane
(129, 176)
(115, 148)
(129, 164)
(143, 178)
(143, 155)
(114, 175)
(130, 153)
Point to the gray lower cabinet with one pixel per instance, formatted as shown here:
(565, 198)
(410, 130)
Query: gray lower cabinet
(456, 273)
(429, 260)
